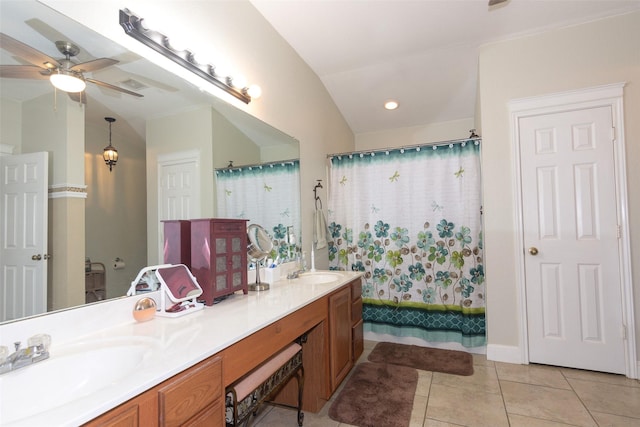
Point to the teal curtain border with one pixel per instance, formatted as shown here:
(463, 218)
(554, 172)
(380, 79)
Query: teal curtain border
(465, 328)
(288, 167)
(439, 151)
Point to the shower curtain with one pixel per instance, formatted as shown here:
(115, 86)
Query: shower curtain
(410, 220)
(266, 194)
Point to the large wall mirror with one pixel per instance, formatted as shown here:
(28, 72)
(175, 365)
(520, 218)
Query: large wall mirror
(159, 138)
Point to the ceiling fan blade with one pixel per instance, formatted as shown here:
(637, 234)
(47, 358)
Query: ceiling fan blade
(96, 64)
(78, 97)
(27, 53)
(495, 2)
(23, 72)
(110, 86)
(53, 35)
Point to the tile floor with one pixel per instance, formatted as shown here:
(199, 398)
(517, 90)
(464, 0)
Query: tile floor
(502, 394)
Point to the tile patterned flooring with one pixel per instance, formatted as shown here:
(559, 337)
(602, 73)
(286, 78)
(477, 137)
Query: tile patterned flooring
(502, 394)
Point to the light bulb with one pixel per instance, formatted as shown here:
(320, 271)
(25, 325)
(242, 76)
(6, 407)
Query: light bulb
(239, 81)
(254, 91)
(67, 82)
(391, 104)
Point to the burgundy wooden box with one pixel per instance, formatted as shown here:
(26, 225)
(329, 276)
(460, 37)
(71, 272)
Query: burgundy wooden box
(177, 242)
(219, 256)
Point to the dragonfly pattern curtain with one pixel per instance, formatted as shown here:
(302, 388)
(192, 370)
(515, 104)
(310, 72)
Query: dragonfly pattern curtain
(410, 219)
(267, 195)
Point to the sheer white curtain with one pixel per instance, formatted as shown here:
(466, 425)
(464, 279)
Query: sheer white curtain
(266, 194)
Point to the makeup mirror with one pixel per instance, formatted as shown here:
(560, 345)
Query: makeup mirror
(259, 248)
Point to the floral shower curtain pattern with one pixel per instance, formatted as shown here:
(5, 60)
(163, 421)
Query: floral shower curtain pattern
(410, 219)
(265, 194)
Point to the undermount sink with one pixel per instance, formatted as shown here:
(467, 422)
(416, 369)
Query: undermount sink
(72, 372)
(317, 278)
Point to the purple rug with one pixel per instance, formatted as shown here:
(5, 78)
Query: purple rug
(375, 395)
(423, 358)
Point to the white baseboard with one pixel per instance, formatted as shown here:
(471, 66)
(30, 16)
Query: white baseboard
(504, 353)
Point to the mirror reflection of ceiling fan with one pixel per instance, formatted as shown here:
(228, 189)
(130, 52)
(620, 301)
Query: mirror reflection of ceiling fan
(63, 74)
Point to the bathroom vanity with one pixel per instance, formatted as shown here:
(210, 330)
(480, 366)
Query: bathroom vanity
(190, 360)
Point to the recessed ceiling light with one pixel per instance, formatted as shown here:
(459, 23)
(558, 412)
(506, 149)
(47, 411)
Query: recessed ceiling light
(391, 104)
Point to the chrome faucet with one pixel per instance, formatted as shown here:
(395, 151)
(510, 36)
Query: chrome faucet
(37, 350)
(301, 267)
(294, 274)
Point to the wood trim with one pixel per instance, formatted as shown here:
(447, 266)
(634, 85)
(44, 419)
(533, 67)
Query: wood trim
(247, 354)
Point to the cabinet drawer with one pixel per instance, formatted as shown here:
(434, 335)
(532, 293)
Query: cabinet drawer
(356, 311)
(190, 393)
(356, 289)
(212, 416)
(224, 227)
(250, 352)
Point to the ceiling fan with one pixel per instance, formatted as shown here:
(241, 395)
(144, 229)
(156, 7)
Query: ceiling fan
(495, 2)
(64, 74)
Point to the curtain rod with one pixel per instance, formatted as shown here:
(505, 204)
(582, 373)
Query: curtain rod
(406, 147)
(255, 165)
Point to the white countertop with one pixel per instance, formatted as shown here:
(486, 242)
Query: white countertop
(177, 343)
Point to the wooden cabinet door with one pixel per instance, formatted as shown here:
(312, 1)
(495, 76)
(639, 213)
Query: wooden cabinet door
(356, 319)
(340, 344)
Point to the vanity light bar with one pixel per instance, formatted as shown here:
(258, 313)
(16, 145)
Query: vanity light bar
(132, 25)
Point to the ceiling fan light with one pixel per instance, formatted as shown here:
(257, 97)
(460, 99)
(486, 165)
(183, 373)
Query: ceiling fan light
(67, 82)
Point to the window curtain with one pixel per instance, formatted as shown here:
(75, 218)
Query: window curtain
(410, 220)
(265, 194)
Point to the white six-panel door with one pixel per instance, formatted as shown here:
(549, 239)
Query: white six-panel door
(573, 284)
(178, 190)
(23, 238)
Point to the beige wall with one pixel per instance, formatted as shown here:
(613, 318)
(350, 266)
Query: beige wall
(116, 204)
(60, 132)
(187, 131)
(231, 144)
(593, 54)
(433, 132)
(11, 125)
(293, 100)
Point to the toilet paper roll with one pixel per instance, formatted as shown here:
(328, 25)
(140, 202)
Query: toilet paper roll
(119, 265)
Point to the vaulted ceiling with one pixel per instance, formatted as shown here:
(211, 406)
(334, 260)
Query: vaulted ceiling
(422, 53)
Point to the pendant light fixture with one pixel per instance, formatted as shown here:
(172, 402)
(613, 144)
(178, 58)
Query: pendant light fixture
(110, 154)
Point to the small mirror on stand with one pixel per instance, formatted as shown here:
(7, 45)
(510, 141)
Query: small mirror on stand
(260, 245)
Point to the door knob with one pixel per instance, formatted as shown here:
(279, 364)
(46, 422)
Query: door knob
(36, 257)
(533, 250)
